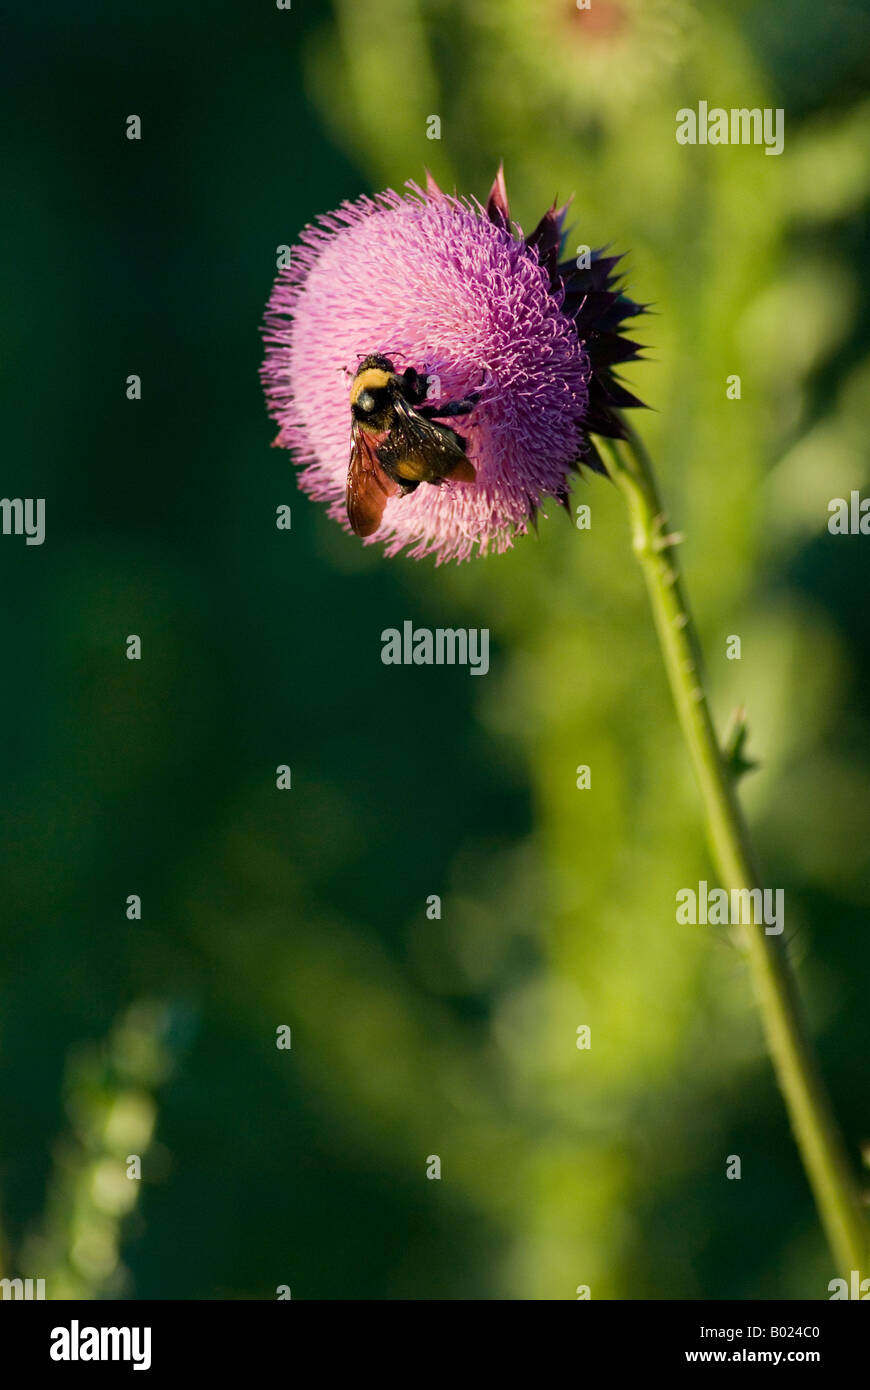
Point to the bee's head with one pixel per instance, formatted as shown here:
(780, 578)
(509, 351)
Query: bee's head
(373, 389)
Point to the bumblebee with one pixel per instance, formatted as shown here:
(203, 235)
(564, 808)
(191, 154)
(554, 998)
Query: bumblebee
(396, 442)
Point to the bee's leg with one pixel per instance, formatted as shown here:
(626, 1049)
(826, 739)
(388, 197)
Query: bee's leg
(437, 412)
(406, 487)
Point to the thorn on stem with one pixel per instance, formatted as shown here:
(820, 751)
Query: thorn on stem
(734, 752)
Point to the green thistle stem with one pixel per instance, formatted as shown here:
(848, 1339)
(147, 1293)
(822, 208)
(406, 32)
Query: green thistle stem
(815, 1129)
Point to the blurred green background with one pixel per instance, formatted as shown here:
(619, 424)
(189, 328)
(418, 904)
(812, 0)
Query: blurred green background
(413, 1037)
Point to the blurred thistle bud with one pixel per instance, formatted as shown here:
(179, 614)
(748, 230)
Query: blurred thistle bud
(594, 60)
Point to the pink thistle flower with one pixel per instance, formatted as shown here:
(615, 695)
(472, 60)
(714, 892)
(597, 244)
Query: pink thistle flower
(454, 291)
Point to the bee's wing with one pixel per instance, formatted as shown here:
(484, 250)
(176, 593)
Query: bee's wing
(368, 486)
(439, 447)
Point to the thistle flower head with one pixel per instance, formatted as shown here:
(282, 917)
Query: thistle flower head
(454, 291)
